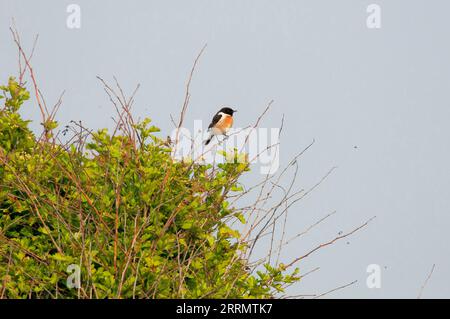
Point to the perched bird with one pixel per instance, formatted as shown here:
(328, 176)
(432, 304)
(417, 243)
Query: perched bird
(220, 123)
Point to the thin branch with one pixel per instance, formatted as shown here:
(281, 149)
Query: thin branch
(330, 242)
(16, 39)
(309, 228)
(336, 289)
(426, 281)
(187, 96)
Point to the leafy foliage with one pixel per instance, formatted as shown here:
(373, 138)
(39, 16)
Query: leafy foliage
(138, 223)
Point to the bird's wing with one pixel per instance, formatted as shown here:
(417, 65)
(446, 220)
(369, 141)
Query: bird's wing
(215, 119)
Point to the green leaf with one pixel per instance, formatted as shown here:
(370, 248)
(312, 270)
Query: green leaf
(187, 224)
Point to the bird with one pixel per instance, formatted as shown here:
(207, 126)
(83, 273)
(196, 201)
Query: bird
(220, 123)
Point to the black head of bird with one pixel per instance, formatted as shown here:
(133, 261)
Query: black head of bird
(227, 110)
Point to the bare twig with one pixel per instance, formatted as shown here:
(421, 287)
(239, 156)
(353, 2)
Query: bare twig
(16, 38)
(336, 289)
(187, 96)
(330, 242)
(426, 281)
(309, 228)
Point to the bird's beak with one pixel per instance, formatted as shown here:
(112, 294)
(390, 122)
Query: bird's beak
(234, 111)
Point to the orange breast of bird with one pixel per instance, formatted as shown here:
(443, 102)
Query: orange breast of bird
(225, 123)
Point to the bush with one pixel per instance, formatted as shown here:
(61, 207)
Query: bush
(137, 223)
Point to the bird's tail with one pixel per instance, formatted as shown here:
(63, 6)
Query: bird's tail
(209, 139)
